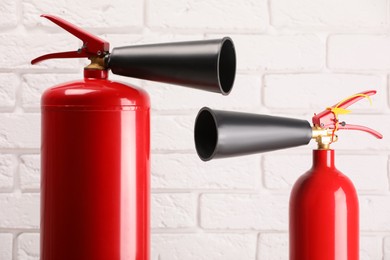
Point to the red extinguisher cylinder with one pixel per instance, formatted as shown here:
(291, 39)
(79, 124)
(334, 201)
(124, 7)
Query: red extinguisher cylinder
(324, 213)
(96, 142)
(95, 171)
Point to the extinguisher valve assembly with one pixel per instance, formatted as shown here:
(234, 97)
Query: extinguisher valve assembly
(220, 134)
(207, 65)
(327, 123)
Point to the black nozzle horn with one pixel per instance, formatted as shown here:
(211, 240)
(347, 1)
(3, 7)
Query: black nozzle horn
(220, 134)
(208, 65)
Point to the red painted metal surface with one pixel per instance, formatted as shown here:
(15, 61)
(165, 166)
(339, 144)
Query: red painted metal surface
(95, 171)
(324, 213)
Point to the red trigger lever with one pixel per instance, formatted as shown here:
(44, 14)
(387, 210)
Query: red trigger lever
(93, 46)
(327, 119)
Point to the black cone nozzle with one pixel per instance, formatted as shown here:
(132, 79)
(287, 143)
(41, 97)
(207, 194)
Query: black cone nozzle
(220, 134)
(208, 65)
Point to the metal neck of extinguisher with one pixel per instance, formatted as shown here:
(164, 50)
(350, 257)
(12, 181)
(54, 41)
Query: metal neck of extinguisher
(327, 123)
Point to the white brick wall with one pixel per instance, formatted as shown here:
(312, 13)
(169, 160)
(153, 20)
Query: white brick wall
(249, 15)
(244, 211)
(324, 14)
(19, 211)
(8, 166)
(274, 246)
(294, 58)
(29, 172)
(9, 10)
(6, 246)
(359, 52)
(9, 84)
(387, 249)
(297, 52)
(173, 210)
(28, 246)
(204, 246)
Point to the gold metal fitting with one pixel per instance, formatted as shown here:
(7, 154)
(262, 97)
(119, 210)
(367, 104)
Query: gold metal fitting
(97, 63)
(323, 137)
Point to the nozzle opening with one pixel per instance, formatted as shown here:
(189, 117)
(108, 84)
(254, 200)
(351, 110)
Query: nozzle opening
(227, 66)
(206, 134)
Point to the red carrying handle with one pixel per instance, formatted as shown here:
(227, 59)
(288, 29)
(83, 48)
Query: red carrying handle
(328, 118)
(92, 45)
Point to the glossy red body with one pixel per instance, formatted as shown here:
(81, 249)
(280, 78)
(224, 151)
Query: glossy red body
(95, 171)
(324, 213)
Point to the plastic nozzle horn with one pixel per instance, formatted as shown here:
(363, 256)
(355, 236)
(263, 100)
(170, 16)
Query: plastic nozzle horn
(220, 134)
(93, 46)
(207, 65)
(328, 119)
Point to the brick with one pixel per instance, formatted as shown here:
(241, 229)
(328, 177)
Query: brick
(187, 171)
(16, 55)
(333, 14)
(6, 246)
(8, 165)
(33, 85)
(388, 94)
(273, 246)
(30, 172)
(244, 211)
(165, 97)
(13, 132)
(203, 246)
(359, 52)
(281, 171)
(9, 83)
(9, 14)
(300, 52)
(101, 14)
(387, 248)
(367, 172)
(208, 15)
(28, 246)
(375, 213)
(173, 210)
(172, 133)
(19, 210)
(370, 247)
(333, 88)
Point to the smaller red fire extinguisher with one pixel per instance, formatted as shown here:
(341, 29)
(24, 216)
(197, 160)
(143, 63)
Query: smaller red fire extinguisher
(95, 152)
(324, 208)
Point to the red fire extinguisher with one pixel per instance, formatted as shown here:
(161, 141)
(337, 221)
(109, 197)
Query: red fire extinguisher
(96, 146)
(324, 208)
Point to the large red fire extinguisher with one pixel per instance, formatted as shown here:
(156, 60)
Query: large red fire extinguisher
(96, 146)
(324, 208)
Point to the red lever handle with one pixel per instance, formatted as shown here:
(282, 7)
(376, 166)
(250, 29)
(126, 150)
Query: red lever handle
(355, 98)
(327, 117)
(92, 45)
(360, 128)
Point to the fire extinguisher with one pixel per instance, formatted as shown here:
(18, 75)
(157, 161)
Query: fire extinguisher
(95, 143)
(324, 208)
